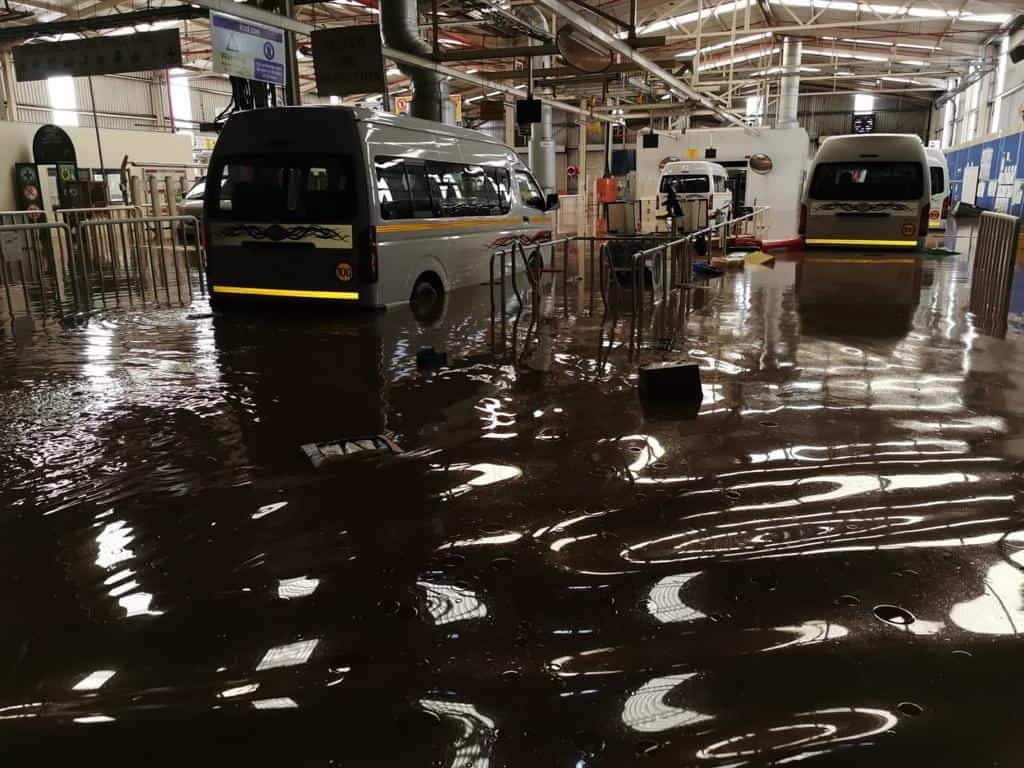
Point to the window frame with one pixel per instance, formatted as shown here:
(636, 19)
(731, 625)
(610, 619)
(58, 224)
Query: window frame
(537, 188)
(449, 173)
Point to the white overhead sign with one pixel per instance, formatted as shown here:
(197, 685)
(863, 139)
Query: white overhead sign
(247, 49)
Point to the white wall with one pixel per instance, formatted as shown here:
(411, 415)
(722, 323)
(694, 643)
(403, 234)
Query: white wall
(140, 146)
(781, 188)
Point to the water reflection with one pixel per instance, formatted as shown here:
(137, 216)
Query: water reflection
(544, 574)
(647, 710)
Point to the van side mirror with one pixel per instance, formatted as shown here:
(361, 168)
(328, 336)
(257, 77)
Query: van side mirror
(552, 202)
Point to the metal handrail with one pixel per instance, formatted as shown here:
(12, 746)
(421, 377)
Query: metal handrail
(640, 257)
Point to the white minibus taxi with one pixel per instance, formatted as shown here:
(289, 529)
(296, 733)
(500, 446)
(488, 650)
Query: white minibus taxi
(938, 170)
(697, 180)
(350, 205)
(869, 190)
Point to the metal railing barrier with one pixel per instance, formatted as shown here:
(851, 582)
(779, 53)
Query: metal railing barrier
(37, 269)
(995, 257)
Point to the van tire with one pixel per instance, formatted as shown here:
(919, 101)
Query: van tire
(427, 297)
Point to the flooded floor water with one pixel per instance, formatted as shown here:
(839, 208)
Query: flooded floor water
(824, 567)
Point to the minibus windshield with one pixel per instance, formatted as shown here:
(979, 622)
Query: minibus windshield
(685, 183)
(284, 187)
(868, 181)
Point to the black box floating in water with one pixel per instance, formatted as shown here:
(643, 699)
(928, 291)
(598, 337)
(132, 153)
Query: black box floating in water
(325, 453)
(670, 383)
(428, 357)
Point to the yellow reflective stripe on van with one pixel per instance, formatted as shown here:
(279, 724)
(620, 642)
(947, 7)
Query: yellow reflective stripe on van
(881, 260)
(820, 241)
(934, 223)
(420, 226)
(540, 219)
(286, 292)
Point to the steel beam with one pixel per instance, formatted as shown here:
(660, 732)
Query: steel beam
(96, 23)
(679, 86)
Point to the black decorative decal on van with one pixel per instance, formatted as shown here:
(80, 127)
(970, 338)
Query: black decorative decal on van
(275, 233)
(507, 240)
(864, 207)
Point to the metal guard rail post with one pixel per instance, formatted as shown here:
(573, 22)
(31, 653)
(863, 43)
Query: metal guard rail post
(41, 227)
(640, 257)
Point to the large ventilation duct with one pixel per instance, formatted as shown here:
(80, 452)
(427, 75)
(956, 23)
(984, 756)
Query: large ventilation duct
(542, 141)
(399, 22)
(789, 91)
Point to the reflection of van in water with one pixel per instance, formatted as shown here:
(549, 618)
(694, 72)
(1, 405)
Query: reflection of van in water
(696, 180)
(867, 190)
(336, 204)
(939, 172)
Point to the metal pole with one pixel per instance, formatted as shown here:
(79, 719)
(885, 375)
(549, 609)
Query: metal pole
(292, 94)
(96, 126)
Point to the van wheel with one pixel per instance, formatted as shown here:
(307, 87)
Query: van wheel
(427, 298)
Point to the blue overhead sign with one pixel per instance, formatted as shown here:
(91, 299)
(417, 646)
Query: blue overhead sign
(247, 49)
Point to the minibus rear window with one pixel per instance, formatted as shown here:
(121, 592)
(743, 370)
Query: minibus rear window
(868, 181)
(938, 180)
(685, 183)
(314, 188)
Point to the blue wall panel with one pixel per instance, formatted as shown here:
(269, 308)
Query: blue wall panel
(1007, 171)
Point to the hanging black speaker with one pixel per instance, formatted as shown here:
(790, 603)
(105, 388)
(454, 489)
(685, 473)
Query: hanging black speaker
(527, 111)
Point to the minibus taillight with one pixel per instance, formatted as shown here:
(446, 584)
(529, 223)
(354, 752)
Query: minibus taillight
(922, 225)
(657, 202)
(803, 220)
(368, 256)
(945, 207)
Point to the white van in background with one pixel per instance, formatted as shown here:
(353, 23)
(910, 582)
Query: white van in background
(939, 170)
(867, 190)
(696, 180)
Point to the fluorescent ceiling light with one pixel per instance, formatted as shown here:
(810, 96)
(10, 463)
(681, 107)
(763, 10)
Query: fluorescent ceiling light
(737, 59)
(883, 43)
(687, 18)
(719, 46)
(897, 10)
(471, 100)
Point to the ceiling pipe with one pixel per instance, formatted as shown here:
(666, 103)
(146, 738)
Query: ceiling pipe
(790, 84)
(679, 86)
(252, 13)
(399, 21)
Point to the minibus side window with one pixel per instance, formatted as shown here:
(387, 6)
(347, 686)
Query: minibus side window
(392, 189)
(529, 192)
(501, 179)
(720, 184)
(419, 190)
(938, 180)
(479, 192)
(445, 189)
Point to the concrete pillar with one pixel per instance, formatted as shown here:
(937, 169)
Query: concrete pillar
(510, 124)
(582, 187)
(542, 151)
(789, 87)
(156, 100)
(9, 86)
